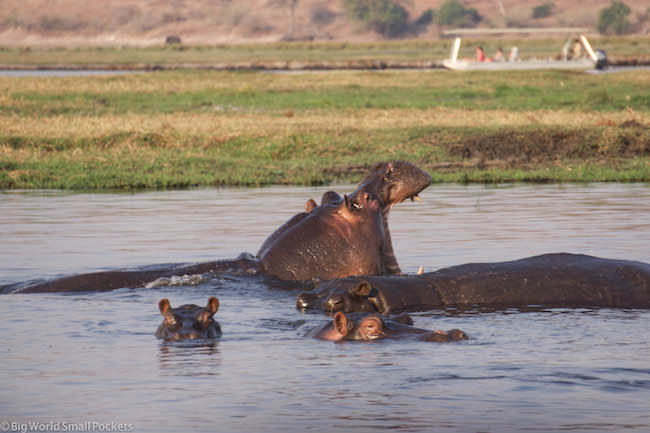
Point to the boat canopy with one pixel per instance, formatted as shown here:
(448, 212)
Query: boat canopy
(514, 31)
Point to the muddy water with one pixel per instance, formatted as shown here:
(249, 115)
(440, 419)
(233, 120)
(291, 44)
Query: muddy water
(92, 357)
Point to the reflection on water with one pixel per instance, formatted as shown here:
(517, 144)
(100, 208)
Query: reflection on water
(191, 358)
(93, 357)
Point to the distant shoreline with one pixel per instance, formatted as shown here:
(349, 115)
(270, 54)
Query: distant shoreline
(265, 66)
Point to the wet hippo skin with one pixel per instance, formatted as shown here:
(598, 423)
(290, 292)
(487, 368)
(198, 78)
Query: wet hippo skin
(563, 280)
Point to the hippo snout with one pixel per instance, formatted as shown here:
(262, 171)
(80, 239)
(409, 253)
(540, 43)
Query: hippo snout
(190, 336)
(335, 302)
(445, 337)
(307, 301)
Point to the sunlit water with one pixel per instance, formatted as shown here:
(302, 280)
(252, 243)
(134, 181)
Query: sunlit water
(92, 357)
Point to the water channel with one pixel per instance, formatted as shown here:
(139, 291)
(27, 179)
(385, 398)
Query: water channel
(92, 357)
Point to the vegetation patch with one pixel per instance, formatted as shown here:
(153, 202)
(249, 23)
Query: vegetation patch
(185, 128)
(533, 145)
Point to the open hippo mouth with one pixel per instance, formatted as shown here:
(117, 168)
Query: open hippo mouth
(346, 235)
(393, 182)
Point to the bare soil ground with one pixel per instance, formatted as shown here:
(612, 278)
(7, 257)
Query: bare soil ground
(148, 22)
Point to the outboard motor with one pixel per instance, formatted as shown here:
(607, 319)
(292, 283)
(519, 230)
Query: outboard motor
(601, 59)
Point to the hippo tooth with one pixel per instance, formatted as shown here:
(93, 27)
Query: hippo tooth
(417, 197)
(420, 271)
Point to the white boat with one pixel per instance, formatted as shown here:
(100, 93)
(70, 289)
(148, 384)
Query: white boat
(589, 61)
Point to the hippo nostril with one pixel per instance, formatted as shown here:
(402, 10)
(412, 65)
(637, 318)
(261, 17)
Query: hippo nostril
(191, 336)
(334, 304)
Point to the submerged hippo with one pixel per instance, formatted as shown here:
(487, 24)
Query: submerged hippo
(340, 237)
(189, 321)
(566, 280)
(360, 326)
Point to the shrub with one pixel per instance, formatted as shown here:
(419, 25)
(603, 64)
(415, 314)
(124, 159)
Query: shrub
(323, 16)
(452, 12)
(383, 16)
(613, 19)
(543, 10)
(426, 18)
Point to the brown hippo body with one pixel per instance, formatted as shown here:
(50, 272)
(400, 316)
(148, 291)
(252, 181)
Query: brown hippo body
(563, 280)
(112, 280)
(372, 326)
(332, 241)
(188, 322)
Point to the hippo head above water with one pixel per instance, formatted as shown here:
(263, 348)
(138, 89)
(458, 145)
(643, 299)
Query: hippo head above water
(364, 326)
(357, 297)
(344, 235)
(393, 182)
(188, 322)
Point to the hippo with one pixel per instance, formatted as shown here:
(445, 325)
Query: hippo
(312, 244)
(309, 246)
(372, 326)
(189, 321)
(560, 280)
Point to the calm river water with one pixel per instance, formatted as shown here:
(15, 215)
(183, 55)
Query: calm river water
(70, 359)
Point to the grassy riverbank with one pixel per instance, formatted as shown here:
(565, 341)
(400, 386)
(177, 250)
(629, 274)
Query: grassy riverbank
(182, 128)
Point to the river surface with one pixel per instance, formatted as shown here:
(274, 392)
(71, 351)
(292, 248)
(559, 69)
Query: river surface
(72, 360)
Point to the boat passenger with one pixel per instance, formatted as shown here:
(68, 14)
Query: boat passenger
(514, 54)
(577, 50)
(480, 54)
(498, 56)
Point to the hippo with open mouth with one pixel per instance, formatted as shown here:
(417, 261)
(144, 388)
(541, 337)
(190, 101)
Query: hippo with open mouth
(344, 236)
(189, 321)
(364, 326)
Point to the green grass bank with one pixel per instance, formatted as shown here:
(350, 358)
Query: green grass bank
(184, 128)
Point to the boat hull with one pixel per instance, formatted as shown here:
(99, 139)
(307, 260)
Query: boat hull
(523, 65)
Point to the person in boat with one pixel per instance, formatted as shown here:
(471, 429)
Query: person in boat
(498, 56)
(577, 50)
(480, 54)
(514, 54)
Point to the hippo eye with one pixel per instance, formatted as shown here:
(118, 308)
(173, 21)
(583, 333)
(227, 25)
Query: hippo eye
(356, 206)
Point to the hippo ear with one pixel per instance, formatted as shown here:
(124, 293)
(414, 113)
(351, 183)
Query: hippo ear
(341, 323)
(164, 307)
(213, 305)
(363, 289)
(310, 205)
